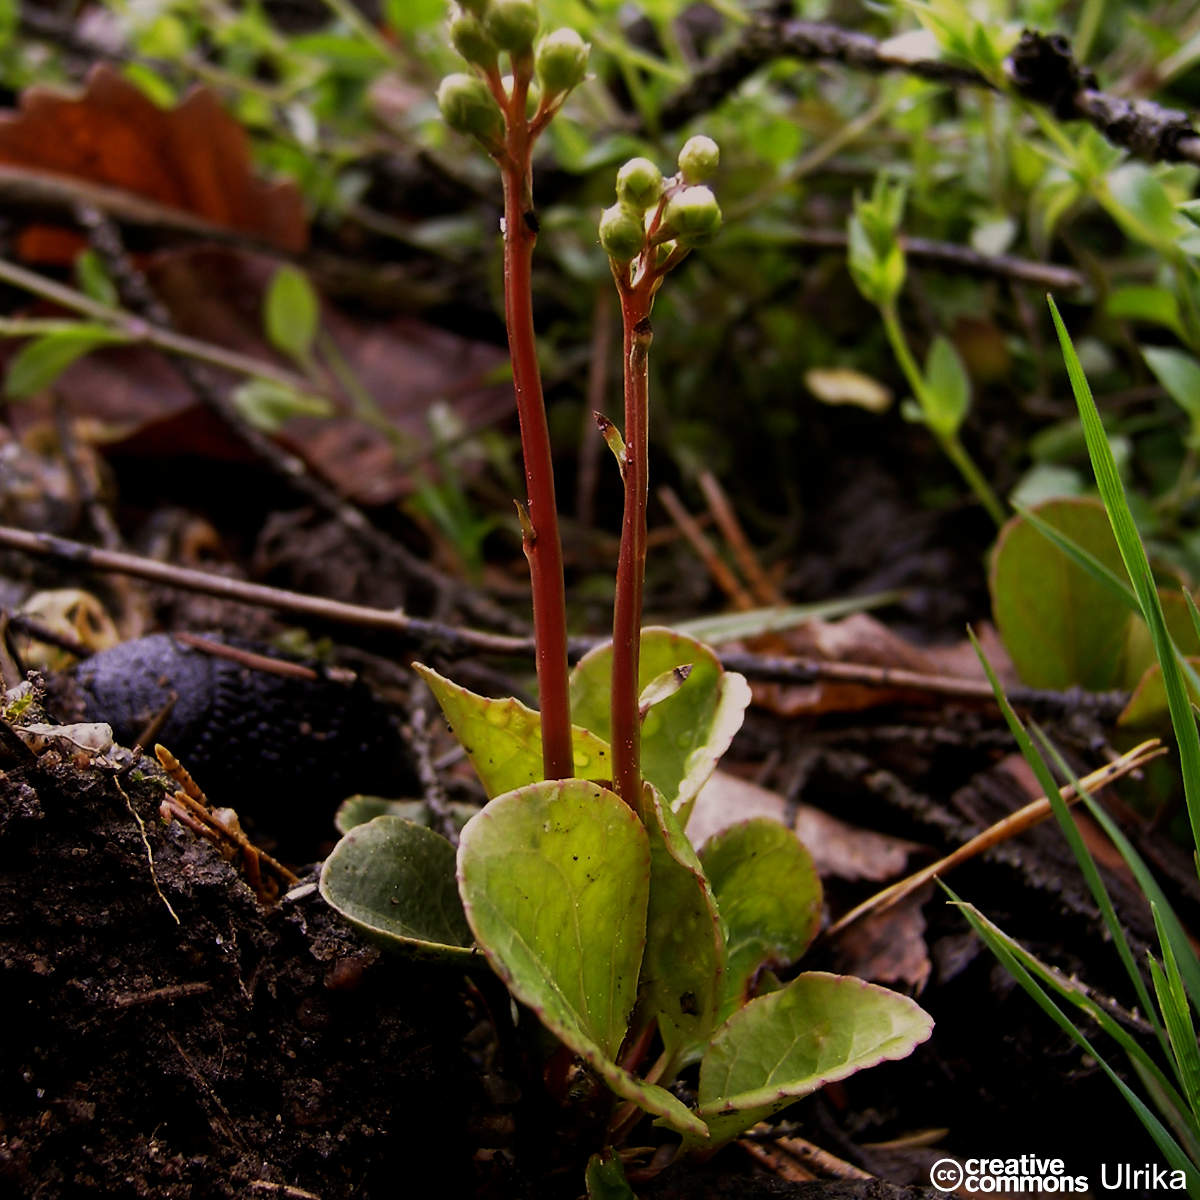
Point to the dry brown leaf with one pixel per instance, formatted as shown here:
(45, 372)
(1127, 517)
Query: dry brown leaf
(837, 849)
(863, 640)
(194, 158)
(216, 294)
(725, 800)
(889, 947)
(849, 852)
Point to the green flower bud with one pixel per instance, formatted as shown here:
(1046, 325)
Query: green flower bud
(470, 39)
(470, 108)
(639, 184)
(561, 61)
(622, 233)
(698, 159)
(692, 216)
(512, 24)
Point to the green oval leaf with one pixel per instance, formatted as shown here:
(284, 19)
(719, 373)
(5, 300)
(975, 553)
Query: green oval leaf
(769, 896)
(291, 313)
(947, 388)
(605, 1177)
(1146, 302)
(555, 880)
(268, 405)
(782, 1046)
(1179, 374)
(1147, 707)
(359, 809)
(503, 738)
(395, 881)
(40, 362)
(685, 734)
(685, 943)
(1061, 626)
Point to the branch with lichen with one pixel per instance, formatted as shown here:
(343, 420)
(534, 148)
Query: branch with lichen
(1041, 70)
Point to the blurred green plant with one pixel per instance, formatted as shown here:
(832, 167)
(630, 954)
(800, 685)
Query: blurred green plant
(942, 390)
(1169, 990)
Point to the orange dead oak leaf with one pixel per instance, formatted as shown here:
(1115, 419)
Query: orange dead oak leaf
(193, 158)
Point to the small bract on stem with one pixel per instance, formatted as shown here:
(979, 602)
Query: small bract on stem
(650, 230)
(495, 110)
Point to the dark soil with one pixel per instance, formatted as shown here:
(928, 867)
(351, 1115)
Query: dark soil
(245, 1049)
(237, 1050)
(172, 1037)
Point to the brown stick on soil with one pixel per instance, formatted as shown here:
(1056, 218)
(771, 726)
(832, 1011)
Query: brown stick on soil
(1024, 818)
(458, 640)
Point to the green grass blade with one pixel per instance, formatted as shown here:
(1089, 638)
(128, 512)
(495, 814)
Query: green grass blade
(1077, 994)
(1193, 611)
(1185, 956)
(1133, 554)
(1083, 856)
(1177, 1016)
(1082, 558)
(728, 627)
(1167, 1145)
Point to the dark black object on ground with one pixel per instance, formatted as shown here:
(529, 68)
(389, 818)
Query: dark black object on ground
(270, 745)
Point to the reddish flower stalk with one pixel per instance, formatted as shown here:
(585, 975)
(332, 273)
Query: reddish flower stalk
(647, 224)
(542, 546)
(636, 302)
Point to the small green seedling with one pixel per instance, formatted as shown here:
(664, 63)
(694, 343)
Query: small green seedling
(942, 391)
(576, 882)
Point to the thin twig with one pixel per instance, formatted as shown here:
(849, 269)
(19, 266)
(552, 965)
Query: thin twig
(38, 631)
(1040, 71)
(777, 1162)
(461, 640)
(780, 669)
(765, 592)
(716, 566)
(418, 736)
(222, 1123)
(954, 257)
(142, 332)
(168, 994)
(814, 1157)
(1002, 831)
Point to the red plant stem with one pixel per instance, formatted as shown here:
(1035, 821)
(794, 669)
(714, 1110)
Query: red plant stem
(543, 550)
(631, 565)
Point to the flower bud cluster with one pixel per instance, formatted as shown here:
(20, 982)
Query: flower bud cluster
(670, 214)
(480, 30)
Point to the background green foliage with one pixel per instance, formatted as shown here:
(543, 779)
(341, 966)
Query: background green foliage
(335, 99)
